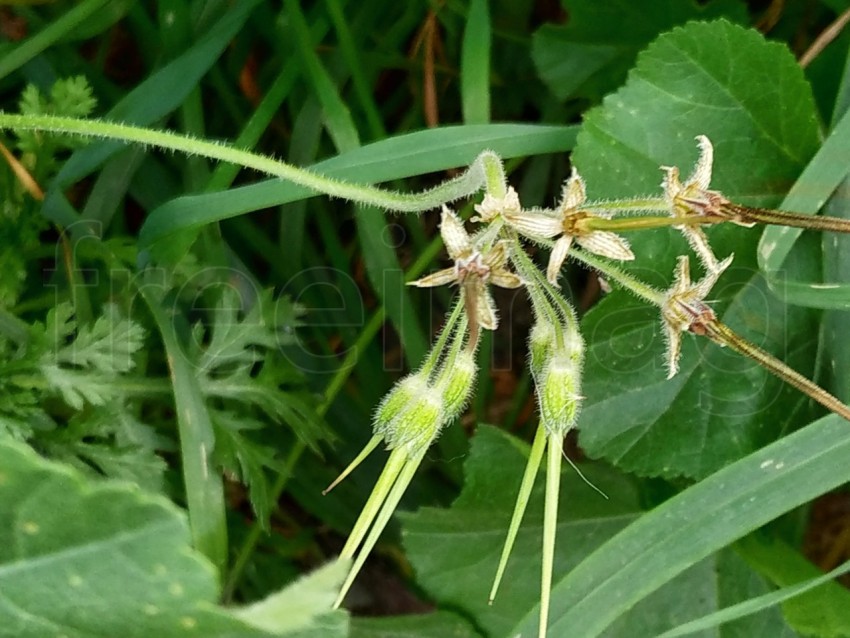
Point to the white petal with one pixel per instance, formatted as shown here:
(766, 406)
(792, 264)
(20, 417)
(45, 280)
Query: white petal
(703, 288)
(674, 349)
(536, 225)
(454, 235)
(505, 279)
(439, 278)
(606, 244)
(486, 310)
(699, 242)
(574, 193)
(681, 275)
(671, 184)
(701, 177)
(556, 259)
(490, 207)
(497, 256)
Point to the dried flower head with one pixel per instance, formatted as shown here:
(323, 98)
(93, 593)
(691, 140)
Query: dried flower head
(685, 309)
(473, 270)
(694, 199)
(492, 207)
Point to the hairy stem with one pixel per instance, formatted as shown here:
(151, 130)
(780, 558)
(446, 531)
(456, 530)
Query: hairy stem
(724, 335)
(784, 218)
(469, 182)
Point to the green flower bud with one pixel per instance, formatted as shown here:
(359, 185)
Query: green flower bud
(410, 415)
(457, 384)
(559, 391)
(402, 394)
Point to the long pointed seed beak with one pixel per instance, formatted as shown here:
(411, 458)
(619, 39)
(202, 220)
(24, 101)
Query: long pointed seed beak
(370, 446)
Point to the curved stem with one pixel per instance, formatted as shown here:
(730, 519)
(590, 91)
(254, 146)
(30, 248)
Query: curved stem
(469, 182)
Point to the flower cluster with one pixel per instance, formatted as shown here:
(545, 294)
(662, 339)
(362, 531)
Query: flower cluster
(411, 416)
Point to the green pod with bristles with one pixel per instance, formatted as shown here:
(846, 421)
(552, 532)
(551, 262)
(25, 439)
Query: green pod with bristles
(410, 415)
(457, 383)
(559, 389)
(403, 393)
(541, 345)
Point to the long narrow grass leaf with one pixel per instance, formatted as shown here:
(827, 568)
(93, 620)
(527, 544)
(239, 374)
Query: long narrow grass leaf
(820, 179)
(697, 522)
(203, 483)
(475, 64)
(754, 605)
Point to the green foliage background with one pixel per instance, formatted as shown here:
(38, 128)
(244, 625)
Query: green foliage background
(183, 336)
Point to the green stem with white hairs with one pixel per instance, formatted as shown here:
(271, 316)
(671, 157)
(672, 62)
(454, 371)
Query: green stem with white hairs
(624, 279)
(495, 182)
(722, 335)
(439, 345)
(485, 169)
(630, 206)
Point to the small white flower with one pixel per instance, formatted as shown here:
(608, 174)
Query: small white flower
(491, 207)
(684, 308)
(571, 223)
(472, 270)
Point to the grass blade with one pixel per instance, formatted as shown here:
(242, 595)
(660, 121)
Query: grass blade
(475, 65)
(754, 605)
(697, 522)
(203, 483)
(819, 180)
(48, 36)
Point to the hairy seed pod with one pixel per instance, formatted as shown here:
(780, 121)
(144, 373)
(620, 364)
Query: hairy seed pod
(410, 415)
(457, 385)
(559, 390)
(541, 344)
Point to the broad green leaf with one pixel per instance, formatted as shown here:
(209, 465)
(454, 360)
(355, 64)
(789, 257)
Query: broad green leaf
(304, 608)
(589, 56)
(749, 96)
(88, 559)
(455, 552)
